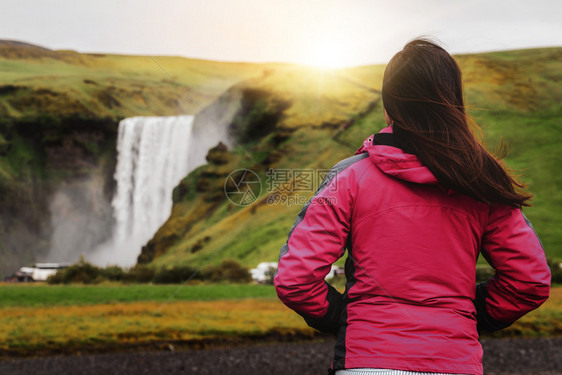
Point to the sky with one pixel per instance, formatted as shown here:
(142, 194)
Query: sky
(329, 33)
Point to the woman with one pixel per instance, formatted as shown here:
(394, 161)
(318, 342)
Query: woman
(414, 207)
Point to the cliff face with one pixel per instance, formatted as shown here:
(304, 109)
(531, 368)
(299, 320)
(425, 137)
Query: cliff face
(56, 185)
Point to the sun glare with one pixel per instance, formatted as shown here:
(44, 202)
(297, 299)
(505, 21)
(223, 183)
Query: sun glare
(324, 57)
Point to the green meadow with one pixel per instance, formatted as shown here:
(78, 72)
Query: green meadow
(43, 295)
(44, 320)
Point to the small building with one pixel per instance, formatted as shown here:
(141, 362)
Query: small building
(264, 272)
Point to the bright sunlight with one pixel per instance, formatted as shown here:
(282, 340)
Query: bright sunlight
(327, 54)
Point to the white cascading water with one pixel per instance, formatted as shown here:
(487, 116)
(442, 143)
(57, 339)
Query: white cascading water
(153, 156)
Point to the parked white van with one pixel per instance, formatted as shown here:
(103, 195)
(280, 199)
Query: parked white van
(40, 271)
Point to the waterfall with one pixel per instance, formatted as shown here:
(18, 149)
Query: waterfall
(152, 157)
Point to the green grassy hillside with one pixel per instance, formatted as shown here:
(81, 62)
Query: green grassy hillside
(36, 82)
(314, 118)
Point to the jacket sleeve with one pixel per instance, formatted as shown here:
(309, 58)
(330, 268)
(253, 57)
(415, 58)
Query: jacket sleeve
(316, 240)
(522, 279)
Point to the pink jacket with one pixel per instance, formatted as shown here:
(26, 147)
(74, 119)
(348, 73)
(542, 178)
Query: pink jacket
(411, 301)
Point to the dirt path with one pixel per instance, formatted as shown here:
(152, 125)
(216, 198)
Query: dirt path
(501, 356)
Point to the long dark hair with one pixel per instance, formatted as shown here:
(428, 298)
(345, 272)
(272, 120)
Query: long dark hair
(422, 94)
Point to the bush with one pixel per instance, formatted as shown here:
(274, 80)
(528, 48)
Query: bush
(139, 274)
(229, 270)
(218, 155)
(484, 273)
(112, 273)
(557, 276)
(555, 270)
(86, 273)
(81, 272)
(200, 243)
(203, 184)
(176, 275)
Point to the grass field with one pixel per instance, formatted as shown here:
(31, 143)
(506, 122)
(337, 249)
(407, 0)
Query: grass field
(54, 295)
(25, 330)
(45, 320)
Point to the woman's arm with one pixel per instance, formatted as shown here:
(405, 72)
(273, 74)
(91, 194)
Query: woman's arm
(316, 240)
(522, 280)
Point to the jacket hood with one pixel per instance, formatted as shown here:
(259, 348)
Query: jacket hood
(394, 162)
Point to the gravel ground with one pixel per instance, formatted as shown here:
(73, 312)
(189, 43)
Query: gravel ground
(501, 356)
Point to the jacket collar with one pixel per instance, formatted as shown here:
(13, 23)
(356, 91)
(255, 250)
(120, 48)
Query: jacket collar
(394, 162)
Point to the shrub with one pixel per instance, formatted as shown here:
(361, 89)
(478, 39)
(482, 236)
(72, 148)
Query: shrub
(557, 275)
(484, 273)
(229, 270)
(200, 243)
(555, 270)
(203, 184)
(176, 275)
(272, 157)
(81, 272)
(218, 154)
(112, 273)
(139, 274)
